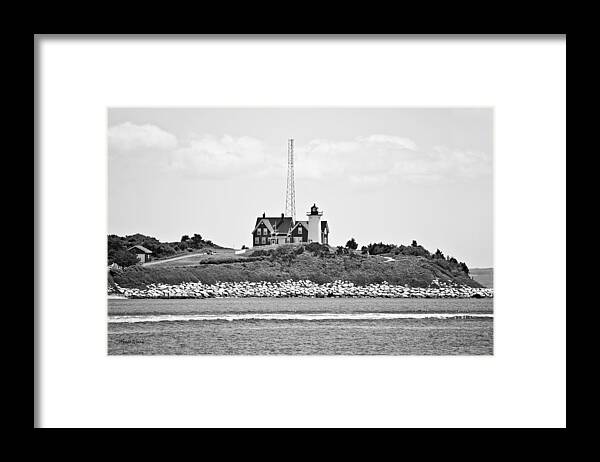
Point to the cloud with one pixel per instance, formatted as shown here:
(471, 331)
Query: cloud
(208, 156)
(465, 164)
(198, 156)
(129, 137)
(392, 141)
(379, 158)
(366, 161)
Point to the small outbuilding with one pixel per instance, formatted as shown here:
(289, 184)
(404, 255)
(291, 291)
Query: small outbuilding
(141, 252)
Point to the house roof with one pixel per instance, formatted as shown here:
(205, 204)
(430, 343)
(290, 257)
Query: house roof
(140, 247)
(281, 224)
(267, 223)
(303, 223)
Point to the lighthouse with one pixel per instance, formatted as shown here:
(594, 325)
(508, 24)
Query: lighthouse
(314, 224)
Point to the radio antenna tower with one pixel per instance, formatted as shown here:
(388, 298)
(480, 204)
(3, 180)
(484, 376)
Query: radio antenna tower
(290, 193)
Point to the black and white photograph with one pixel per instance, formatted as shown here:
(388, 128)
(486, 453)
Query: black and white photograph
(300, 231)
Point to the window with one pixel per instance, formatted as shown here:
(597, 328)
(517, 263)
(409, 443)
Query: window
(299, 229)
(264, 240)
(256, 240)
(258, 231)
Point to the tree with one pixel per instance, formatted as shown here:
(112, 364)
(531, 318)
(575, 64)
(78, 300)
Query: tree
(185, 238)
(414, 243)
(183, 245)
(364, 249)
(463, 266)
(124, 258)
(351, 244)
(115, 244)
(196, 241)
(438, 254)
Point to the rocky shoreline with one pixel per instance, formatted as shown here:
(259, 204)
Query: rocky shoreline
(306, 288)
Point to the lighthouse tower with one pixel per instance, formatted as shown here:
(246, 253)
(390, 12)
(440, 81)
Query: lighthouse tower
(314, 224)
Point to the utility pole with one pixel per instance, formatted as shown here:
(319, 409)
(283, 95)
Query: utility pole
(290, 193)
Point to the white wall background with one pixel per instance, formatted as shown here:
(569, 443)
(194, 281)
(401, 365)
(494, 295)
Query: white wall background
(523, 384)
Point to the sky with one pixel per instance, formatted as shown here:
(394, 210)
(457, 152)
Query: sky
(389, 175)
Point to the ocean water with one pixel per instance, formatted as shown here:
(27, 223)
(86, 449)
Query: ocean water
(300, 326)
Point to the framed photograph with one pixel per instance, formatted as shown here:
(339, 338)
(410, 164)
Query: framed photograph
(300, 232)
(288, 283)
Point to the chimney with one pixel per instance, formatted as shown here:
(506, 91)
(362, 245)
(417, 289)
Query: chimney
(263, 214)
(282, 215)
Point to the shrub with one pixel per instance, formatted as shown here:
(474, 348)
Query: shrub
(416, 251)
(317, 248)
(376, 249)
(351, 244)
(124, 258)
(313, 247)
(261, 253)
(341, 250)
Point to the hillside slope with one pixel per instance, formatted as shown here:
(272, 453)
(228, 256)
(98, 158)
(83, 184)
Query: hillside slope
(484, 276)
(361, 269)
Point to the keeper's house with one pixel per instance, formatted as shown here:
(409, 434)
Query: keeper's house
(284, 230)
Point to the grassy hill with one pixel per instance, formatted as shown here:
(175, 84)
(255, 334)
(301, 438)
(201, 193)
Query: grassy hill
(317, 263)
